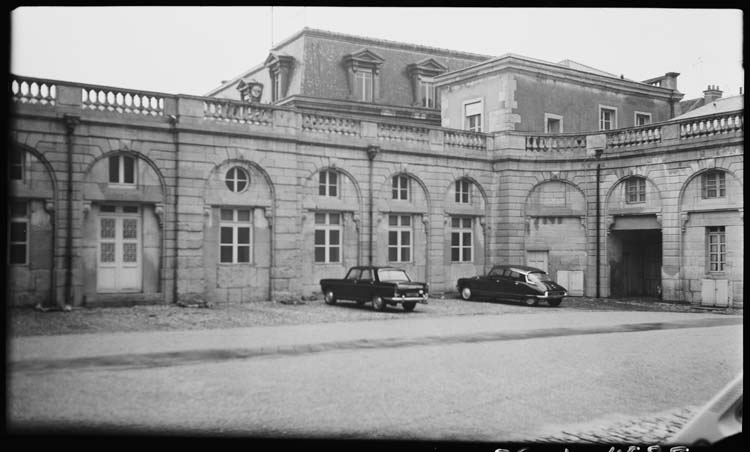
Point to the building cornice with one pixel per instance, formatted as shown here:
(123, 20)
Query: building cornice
(511, 62)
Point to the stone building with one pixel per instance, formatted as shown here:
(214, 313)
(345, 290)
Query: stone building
(342, 150)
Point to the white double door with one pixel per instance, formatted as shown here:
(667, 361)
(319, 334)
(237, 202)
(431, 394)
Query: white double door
(119, 252)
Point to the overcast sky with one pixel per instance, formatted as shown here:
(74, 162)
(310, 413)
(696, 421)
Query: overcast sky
(189, 50)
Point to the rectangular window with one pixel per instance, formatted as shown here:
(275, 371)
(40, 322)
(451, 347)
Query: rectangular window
(607, 118)
(122, 170)
(473, 116)
(642, 119)
(553, 123)
(275, 87)
(18, 233)
(714, 184)
(399, 238)
(461, 244)
(400, 189)
(717, 248)
(462, 191)
(327, 237)
(235, 236)
(16, 166)
(328, 184)
(427, 92)
(364, 83)
(636, 189)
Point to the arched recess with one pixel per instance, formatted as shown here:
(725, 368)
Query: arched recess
(237, 243)
(402, 224)
(465, 247)
(123, 249)
(634, 240)
(711, 274)
(555, 232)
(32, 189)
(332, 209)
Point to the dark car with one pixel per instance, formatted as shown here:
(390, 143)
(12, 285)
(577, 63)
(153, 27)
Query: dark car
(379, 285)
(513, 282)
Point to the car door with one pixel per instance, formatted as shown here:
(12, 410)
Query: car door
(364, 289)
(348, 284)
(517, 288)
(492, 283)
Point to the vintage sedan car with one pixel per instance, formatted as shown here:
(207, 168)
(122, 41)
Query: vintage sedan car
(513, 282)
(381, 286)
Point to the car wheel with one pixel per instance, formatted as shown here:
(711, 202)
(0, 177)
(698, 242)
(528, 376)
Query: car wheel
(330, 298)
(466, 293)
(554, 301)
(378, 304)
(531, 301)
(408, 305)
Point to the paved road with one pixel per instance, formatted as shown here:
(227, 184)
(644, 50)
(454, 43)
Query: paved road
(511, 378)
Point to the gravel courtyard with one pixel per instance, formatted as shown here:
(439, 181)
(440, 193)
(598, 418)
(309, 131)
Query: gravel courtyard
(32, 322)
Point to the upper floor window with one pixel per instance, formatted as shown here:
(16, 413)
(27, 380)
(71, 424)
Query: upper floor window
(642, 119)
(364, 86)
(717, 248)
(18, 233)
(422, 74)
(279, 67)
(400, 187)
(473, 116)
(16, 164)
(607, 118)
(236, 179)
(635, 189)
(463, 188)
(714, 184)
(235, 236)
(328, 183)
(553, 123)
(122, 170)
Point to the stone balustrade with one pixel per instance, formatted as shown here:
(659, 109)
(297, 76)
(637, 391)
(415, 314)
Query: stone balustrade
(469, 140)
(546, 143)
(122, 101)
(237, 112)
(634, 136)
(330, 124)
(395, 132)
(57, 94)
(33, 91)
(712, 125)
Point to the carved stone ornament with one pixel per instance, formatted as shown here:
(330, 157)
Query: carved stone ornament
(49, 205)
(86, 208)
(684, 217)
(159, 211)
(610, 221)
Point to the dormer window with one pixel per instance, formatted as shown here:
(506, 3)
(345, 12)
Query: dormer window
(363, 75)
(422, 75)
(280, 70)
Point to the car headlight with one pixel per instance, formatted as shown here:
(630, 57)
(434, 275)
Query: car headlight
(421, 291)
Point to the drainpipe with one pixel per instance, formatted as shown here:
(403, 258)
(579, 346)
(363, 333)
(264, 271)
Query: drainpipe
(598, 225)
(71, 121)
(50, 208)
(176, 139)
(372, 152)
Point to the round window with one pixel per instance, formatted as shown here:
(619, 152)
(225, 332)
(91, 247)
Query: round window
(237, 179)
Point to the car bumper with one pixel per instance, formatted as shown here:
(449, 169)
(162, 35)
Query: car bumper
(406, 299)
(552, 296)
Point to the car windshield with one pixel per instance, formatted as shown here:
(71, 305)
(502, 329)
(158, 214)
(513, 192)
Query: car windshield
(393, 275)
(536, 277)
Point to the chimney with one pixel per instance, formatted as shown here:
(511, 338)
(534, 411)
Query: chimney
(670, 80)
(711, 94)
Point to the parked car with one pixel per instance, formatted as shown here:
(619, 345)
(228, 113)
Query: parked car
(381, 286)
(513, 282)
